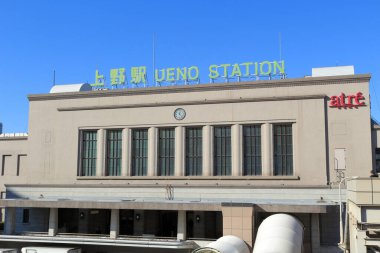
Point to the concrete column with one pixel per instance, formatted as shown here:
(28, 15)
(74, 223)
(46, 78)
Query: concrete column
(236, 154)
(114, 226)
(10, 220)
(181, 225)
(126, 152)
(152, 151)
(315, 235)
(53, 222)
(179, 168)
(267, 149)
(100, 158)
(207, 152)
(360, 242)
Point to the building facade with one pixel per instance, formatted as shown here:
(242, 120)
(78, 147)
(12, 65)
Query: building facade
(172, 168)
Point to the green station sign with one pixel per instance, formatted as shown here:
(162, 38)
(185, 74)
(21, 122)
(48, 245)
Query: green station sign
(137, 75)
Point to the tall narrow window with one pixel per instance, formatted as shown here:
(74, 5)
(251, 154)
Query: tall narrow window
(377, 157)
(88, 151)
(283, 149)
(252, 150)
(166, 152)
(113, 163)
(139, 152)
(222, 151)
(193, 151)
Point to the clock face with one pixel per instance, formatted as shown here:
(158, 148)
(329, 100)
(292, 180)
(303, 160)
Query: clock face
(179, 114)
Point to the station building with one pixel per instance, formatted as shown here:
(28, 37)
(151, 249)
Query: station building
(172, 168)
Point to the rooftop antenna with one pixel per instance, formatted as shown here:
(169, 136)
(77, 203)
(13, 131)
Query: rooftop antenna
(154, 58)
(53, 77)
(280, 45)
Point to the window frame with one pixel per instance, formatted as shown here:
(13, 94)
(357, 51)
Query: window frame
(227, 157)
(288, 136)
(82, 152)
(166, 158)
(144, 157)
(253, 138)
(118, 148)
(197, 151)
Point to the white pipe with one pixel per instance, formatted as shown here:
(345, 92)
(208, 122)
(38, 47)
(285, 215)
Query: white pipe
(279, 233)
(225, 244)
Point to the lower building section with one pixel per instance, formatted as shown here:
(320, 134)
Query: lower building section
(180, 230)
(152, 220)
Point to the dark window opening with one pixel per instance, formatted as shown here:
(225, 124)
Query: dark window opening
(283, 149)
(252, 150)
(193, 151)
(25, 216)
(222, 151)
(88, 153)
(139, 152)
(166, 152)
(114, 149)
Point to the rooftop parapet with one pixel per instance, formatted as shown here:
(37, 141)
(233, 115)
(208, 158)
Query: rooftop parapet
(13, 135)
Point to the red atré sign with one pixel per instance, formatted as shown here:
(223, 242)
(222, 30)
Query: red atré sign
(350, 101)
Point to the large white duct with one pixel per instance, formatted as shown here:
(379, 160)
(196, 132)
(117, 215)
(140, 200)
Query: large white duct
(225, 244)
(279, 233)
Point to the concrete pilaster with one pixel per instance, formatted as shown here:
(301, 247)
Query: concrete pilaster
(114, 226)
(266, 152)
(181, 225)
(179, 168)
(100, 161)
(152, 151)
(295, 148)
(10, 220)
(53, 222)
(126, 150)
(207, 141)
(315, 235)
(236, 153)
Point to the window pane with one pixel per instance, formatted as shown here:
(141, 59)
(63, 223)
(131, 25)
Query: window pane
(283, 149)
(222, 151)
(88, 159)
(139, 152)
(114, 148)
(166, 152)
(193, 151)
(252, 150)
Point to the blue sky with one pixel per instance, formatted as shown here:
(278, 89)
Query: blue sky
(76, 37)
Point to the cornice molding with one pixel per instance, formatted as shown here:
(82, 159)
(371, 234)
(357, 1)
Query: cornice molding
(194, 102)
(307, 81)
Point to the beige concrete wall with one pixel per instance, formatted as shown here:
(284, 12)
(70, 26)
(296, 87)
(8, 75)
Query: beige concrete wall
(13, 163)
(364, 191)
(318, 129)
(239, 221)
(13, 151)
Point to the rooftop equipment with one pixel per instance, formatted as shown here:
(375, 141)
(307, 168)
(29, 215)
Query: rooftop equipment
(71, 88)
(333, 71)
